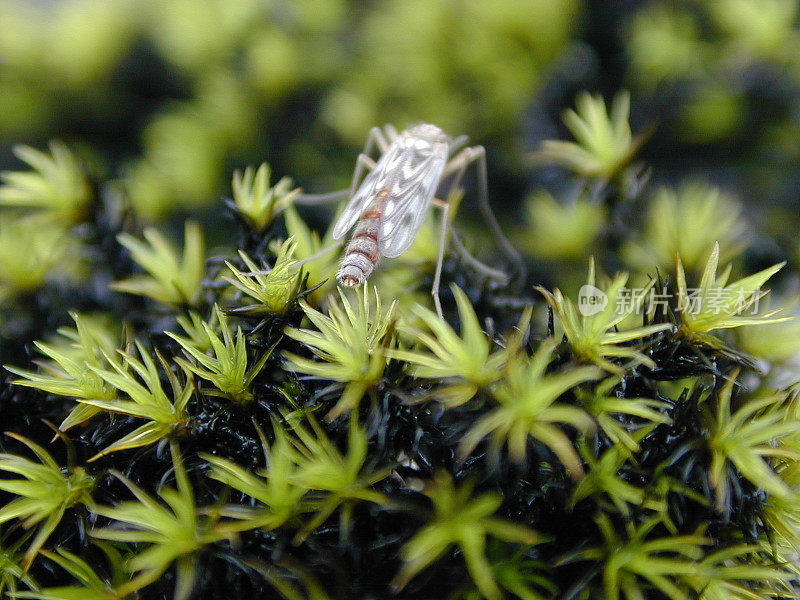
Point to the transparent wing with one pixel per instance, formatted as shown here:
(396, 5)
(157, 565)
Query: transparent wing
(410, 195)
(375, 181)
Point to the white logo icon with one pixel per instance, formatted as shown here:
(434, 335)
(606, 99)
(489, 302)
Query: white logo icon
(591, 300)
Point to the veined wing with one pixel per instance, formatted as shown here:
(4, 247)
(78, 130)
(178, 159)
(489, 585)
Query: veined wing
(411, 190)
(375, 181)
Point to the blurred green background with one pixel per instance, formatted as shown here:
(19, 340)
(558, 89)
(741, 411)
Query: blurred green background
(171, 95)
(167, 97)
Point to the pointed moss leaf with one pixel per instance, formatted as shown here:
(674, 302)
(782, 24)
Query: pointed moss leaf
(350, 344)
(527, 406)
(466, 522)
(43, 494)
(171, 279)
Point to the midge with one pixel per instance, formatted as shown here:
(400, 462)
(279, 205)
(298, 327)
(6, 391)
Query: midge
(389, 206)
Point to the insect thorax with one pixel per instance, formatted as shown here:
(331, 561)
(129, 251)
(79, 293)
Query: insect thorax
(426, 138)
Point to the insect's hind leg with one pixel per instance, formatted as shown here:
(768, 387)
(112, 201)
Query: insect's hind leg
(462, 251)
(457, 166)
(375, 138)
(437, 277)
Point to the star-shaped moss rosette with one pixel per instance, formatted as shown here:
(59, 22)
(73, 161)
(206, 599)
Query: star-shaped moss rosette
(335, 479)
(256, 201)
(68, 371)
(604, 481)
(463, 363)
(275, 292)
(34, 251)
(56, 186)
(466, 522)
(729, 573)
(527, 405)
(688, 222)
(142, 395)
(226, 366)
(172, 279)
(91, 585)
(617, 415)
(43, 495)
(561, 230)
(596, 334)
(175, 529)
(747, 440)
(716, 304)
(603, 144)
(634, 563)
(274, 488)
(351, 343)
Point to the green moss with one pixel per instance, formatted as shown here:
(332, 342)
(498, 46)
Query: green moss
(171, 279)
(593, 451)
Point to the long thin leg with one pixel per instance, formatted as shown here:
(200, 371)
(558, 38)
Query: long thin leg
(488, 213)
(462, 251)
(317, 254)
(474, 262)
(457, 165)
(457, 144)
(391, 132)
(314, 199)
(377, 138)
(362, 162)
(437, 278)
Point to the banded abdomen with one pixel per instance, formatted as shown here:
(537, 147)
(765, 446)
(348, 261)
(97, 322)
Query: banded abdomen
(362, 253)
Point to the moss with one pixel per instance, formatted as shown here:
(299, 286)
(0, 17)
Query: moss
(167, 94)
(282, 441)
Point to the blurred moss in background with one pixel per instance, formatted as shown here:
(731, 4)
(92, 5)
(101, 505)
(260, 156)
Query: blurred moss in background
(168, 97)
(724, 79)
(659, 138)
(171, 95)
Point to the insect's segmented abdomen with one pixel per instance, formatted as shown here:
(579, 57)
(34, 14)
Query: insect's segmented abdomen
(362, 253)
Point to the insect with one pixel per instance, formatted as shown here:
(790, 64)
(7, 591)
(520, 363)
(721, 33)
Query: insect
(387, 208)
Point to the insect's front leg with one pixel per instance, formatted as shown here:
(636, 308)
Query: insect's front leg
(374, 138)
(390, 132)
(362, 162)
(457, 144)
